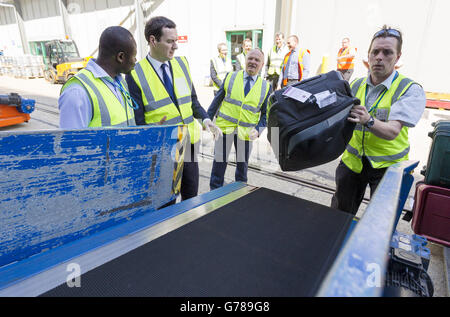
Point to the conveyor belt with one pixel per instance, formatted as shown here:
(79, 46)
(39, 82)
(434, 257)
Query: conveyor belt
(264, 244)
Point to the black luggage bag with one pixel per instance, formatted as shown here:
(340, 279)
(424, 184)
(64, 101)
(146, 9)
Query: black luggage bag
(437, 170)
(304, 135)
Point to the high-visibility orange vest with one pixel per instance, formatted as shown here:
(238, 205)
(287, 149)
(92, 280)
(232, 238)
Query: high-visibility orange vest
(301, 53)
(345, 63)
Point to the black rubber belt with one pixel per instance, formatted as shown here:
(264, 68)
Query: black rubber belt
(264, 244)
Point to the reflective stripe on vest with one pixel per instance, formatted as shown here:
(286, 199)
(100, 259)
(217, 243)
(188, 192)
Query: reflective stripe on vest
(276, 60)
(380, 152)
(238, 111)
(107, 109)
(300, 65)
(345, 63)
(221, 68)
(157, 102)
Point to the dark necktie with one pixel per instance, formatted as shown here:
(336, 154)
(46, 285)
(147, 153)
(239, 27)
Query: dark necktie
(167, 82)
(247, 85)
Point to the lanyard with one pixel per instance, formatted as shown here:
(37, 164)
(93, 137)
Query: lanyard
(129, 100)
(375, 106)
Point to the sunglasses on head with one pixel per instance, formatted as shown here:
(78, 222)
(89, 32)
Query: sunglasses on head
(391, 32)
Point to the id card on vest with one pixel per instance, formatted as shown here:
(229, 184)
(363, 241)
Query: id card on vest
(182, 86)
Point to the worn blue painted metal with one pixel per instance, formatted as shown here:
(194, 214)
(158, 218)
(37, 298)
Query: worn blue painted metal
(360, 267)
(58, 186)
(26, 268)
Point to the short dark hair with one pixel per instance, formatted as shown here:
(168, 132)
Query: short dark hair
(155, 25)
(387, 31)
(115, 39)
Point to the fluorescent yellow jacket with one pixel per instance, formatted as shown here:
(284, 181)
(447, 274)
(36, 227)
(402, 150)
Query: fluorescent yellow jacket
(276, 59)
(107, 110)
(239, 111)
(222, 69)
(380, 152)
(156, 99)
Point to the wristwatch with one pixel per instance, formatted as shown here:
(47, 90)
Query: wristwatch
(369, 122)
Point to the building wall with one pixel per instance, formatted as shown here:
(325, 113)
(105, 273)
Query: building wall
(320, 24)
(205, 22)
(10, 42)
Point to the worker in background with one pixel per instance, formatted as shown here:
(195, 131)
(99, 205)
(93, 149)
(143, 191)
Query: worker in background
(390, 104)
(275, 60)
(97, 96)
(296, 64)
(220, 66)
(345, 59)
(162, 86)
(240, 111)
(240, 59)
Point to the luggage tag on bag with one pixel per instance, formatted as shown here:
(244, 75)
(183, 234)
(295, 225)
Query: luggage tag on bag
(297, 94)
(325, 98)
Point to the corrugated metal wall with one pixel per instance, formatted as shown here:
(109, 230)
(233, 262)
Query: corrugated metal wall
(33, 10)
(83, 6)
(7, 16)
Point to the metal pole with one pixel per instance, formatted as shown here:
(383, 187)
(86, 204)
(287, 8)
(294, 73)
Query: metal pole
(140, 37)
(65, 18)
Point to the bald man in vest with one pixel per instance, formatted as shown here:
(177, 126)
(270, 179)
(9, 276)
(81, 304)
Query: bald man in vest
(390, 104)
(345, 59)
(162, 86)
(97, 96)
(240, 111)
(296, 64)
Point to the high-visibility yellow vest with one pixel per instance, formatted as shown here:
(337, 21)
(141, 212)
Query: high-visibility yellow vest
(345, 63)
(241, 60)
(276, 60)
(301, 53)
(380, 152)
(107, 109)
(156, 99)
(222, 69)
(239, 111)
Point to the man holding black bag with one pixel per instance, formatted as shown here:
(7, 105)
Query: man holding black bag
(390, 104)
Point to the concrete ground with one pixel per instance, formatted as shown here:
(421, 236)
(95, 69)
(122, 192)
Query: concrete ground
(262, 156)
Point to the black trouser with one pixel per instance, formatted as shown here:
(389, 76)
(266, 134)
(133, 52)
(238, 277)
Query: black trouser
(351, 186)
(190, 177)
(346, 73)
(222, 149)
(189, 180)
(273, 79)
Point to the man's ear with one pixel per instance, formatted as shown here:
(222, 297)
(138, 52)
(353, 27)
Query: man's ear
(398, 57)
(151, 40)
(120, 57)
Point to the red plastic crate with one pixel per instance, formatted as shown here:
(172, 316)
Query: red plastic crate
(431, 213)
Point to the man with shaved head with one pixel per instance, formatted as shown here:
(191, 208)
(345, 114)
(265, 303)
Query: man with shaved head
(296, 65)
(97, 95)
(240, 111)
